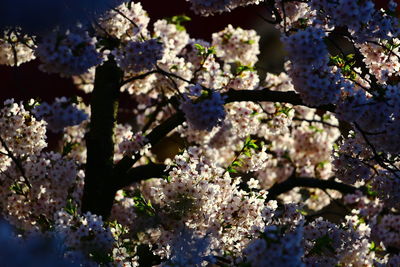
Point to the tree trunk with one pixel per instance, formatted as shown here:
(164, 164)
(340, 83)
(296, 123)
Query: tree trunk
(99, 191)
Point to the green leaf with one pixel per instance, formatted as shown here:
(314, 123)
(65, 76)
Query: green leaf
(231, 170)
(71, 208)
(29, 106)
(248, 139)
(241, 68)
(371, 192)
(250, 42)
(350, 56)
(326, 117)
(302, 212)
(173, 67)
(303, 22)
(18, 188)
(345, 64)
(199, 47)
(211, 50)
(335, 147)
(167, 178)
(252, 144)
(180, 28)
(254, 113)
(336, 60)
(287, 156)
(178, 20)
(372, 246)
(236, 163)
(315, 129)
(141, 205)
(226, 37)
(203, 51)
(68, 147)
(247, 153)
(322, 164)
(284, 110)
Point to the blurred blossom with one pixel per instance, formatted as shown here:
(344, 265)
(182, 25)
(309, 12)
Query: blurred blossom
(36, 250)
(40, 16)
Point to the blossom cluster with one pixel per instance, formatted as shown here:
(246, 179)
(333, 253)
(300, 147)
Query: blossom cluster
(316, 82)
(41, 186)
(16, 49)
(139, 56)
(83, 235)
(200, 196)
(213, 164)
(60, 114)
(125, 22)
(237, 45)
(69, 53)
(284, 249)
(348, 245)
(21, 133)
(211, 7)
(204, 114)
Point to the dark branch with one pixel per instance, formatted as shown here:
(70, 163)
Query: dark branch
(267, 95)
(377, 155)
(153, 138)
(292, 183)
(138, 77)
(141, 173)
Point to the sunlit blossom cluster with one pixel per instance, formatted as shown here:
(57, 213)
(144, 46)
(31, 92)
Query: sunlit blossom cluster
(237, 45)
(214, 161)
(125, 22)
(16, 48)
(21, 132)
(211, 7)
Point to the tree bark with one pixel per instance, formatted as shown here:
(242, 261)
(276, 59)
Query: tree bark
(99, 190)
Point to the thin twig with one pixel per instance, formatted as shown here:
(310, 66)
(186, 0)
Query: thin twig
(16, 161)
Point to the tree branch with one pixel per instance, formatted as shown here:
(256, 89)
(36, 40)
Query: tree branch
(267, 95)
(264, 95)
(138, 77)
(141, 173)
(291, 183)
(159, 132)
